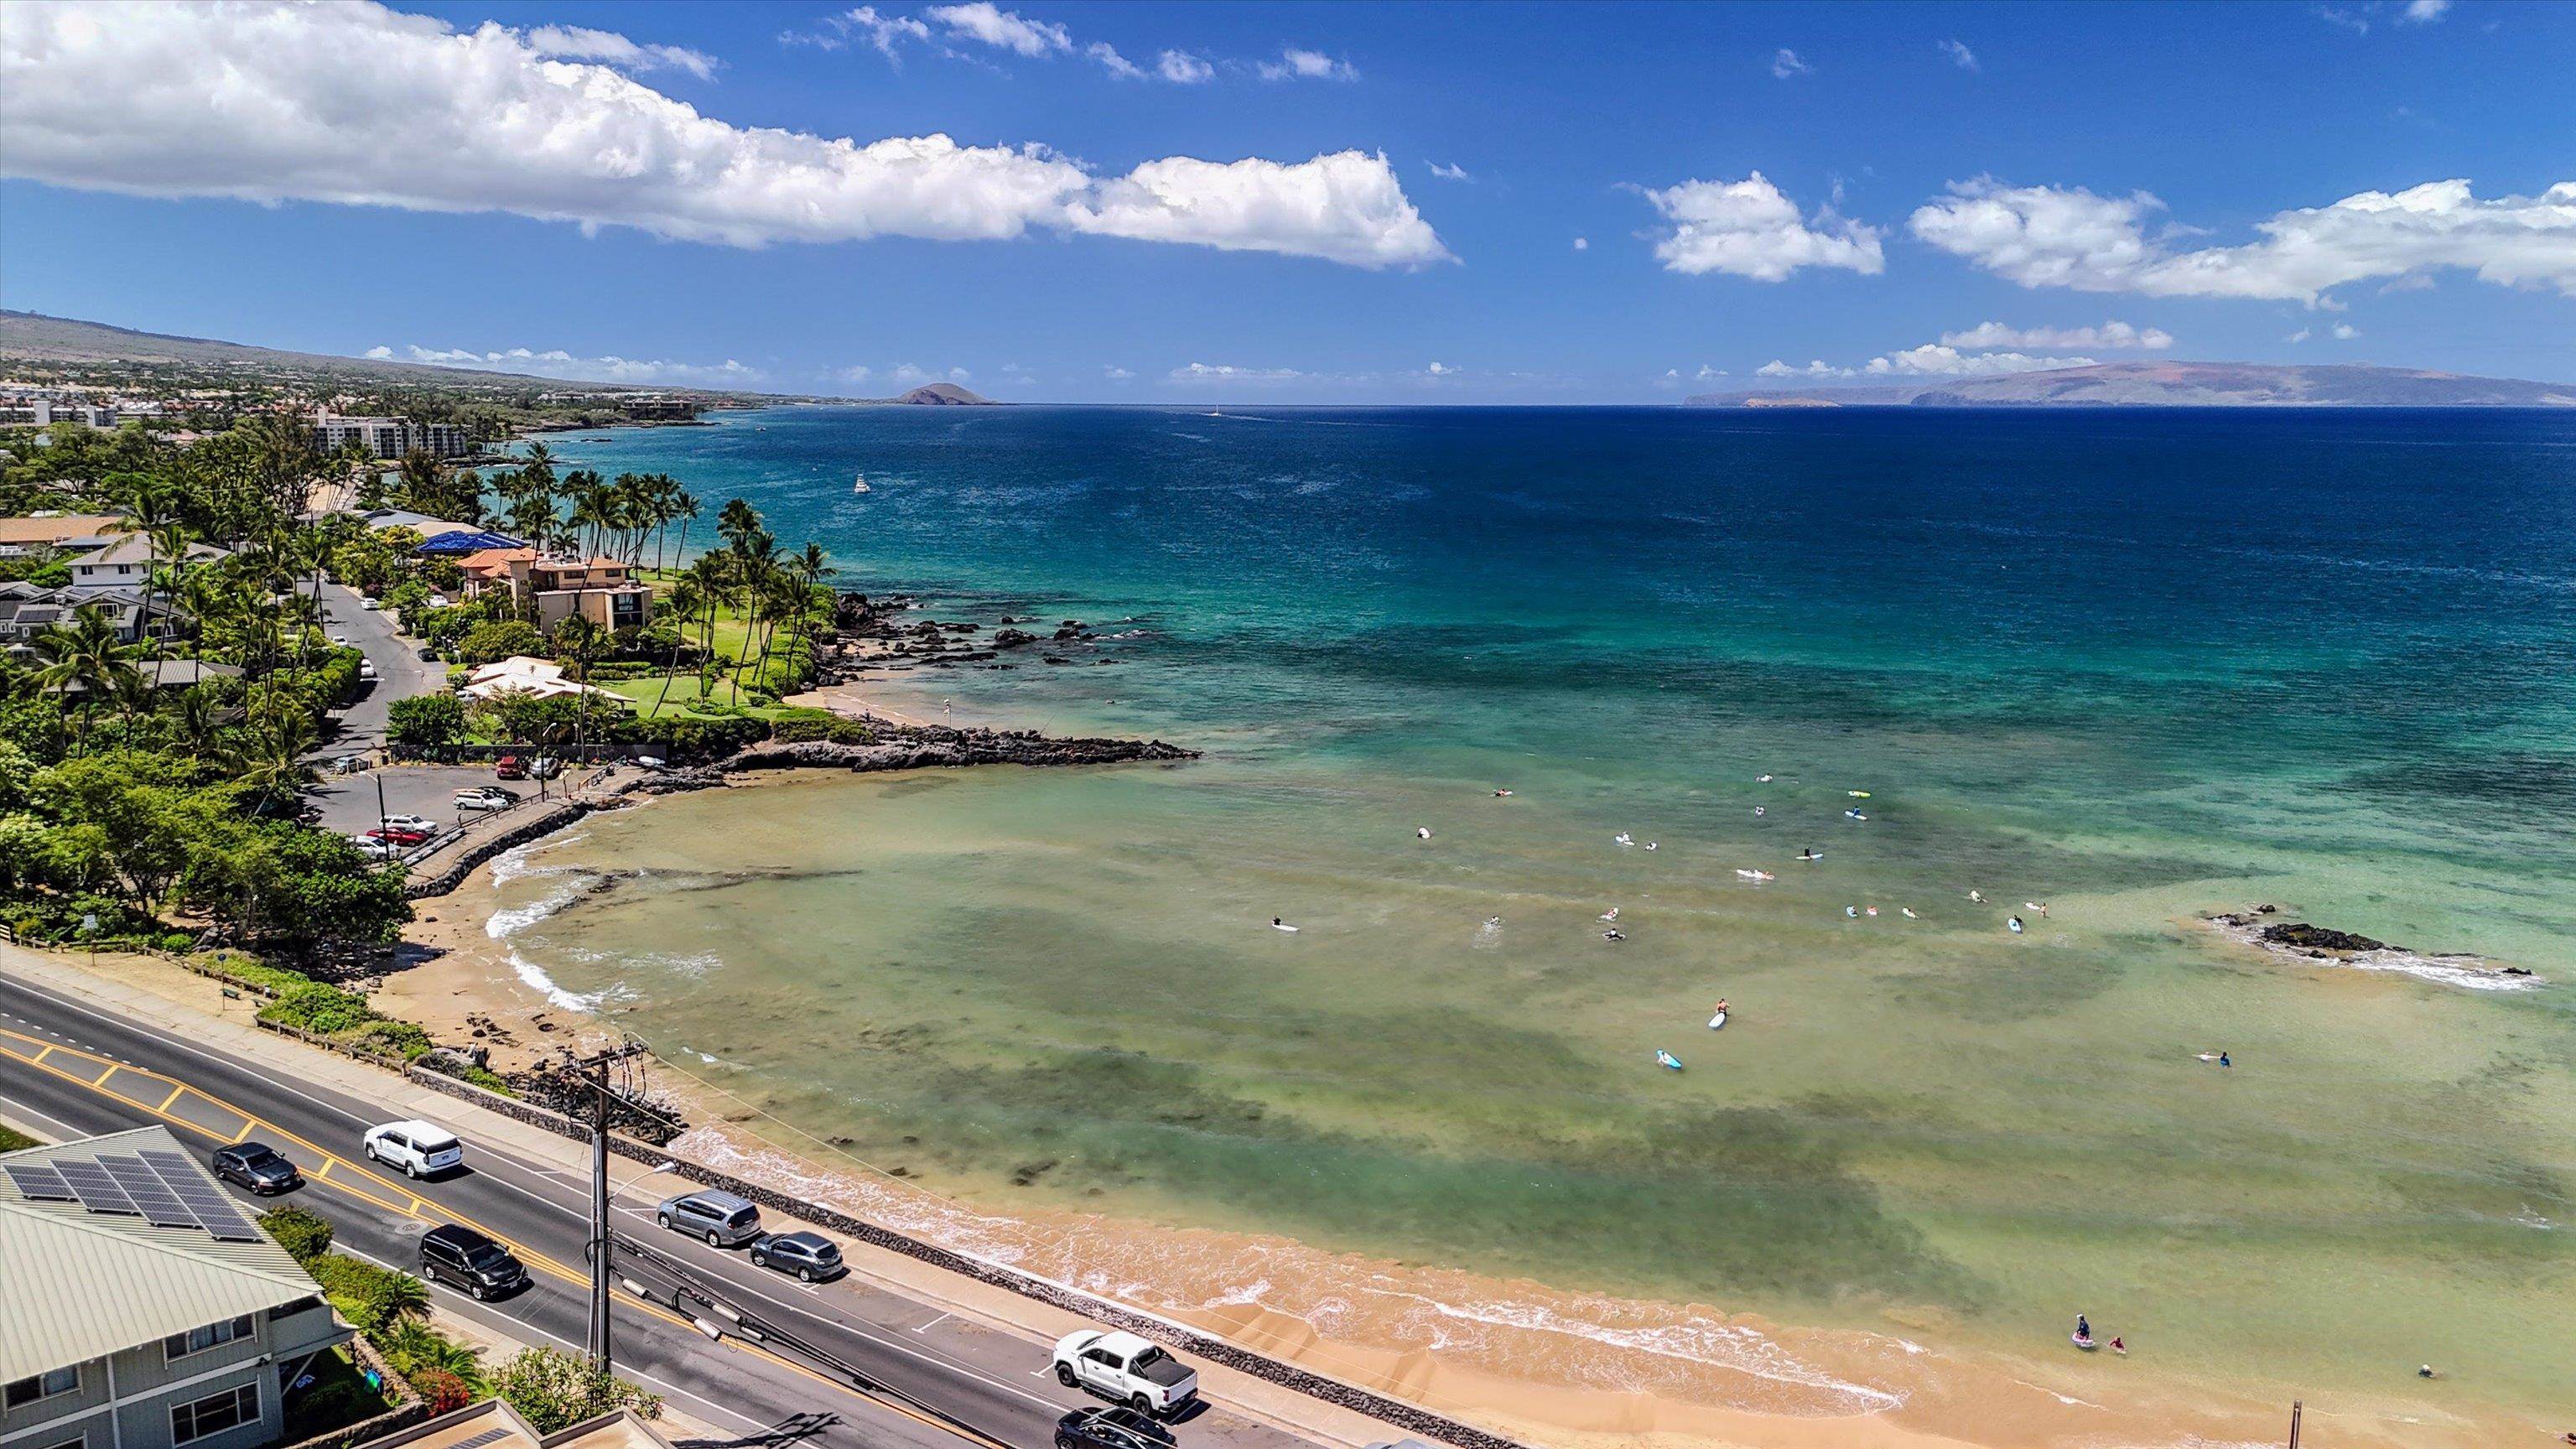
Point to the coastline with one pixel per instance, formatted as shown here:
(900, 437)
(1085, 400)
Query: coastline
(1541, 1364)
(1547, 1365)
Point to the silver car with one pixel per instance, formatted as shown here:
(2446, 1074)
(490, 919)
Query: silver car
(724, 1220)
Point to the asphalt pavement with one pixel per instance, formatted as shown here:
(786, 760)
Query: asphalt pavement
(105, 1072)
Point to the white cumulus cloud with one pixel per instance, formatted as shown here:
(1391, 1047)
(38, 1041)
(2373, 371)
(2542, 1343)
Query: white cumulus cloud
(2049, 236)
(883, 32)
(260, 102)
(1299, 63)
(1345, 207)
(1749, 229)
(2345, 332)
(574, 42)
(2058, 339)
(1933, 359)
(989, 24)
(1785, 63)
(1227, 372)
(2425, 12)
(1182, 68)
(1959, 53)
(1776, 368)
(559, 363)
(1117, 374)
(1111, 61)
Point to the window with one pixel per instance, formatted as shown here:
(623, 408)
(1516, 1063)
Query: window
(198, 1340)
(214, 1414)
(42, 1386)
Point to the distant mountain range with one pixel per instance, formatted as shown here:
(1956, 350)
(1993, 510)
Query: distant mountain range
(2172, 384)
(65, 341)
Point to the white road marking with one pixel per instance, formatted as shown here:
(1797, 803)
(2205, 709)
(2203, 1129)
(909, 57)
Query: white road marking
(934, 1323)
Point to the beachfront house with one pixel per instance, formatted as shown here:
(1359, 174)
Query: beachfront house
(140, 1308)
(523, 674)
(601, 589)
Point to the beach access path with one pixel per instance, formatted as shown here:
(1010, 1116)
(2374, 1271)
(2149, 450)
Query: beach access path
(80, 1055)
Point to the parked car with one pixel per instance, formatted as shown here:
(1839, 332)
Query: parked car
(469, 1260)
(650, 762)
(1126, 1368)
(721, 1218)
(340, 639)
(545, 767)
(257, 1166)
(1118, 1428)
(485, 797)
(417, 1147)
(436, 601)
(510, 767)
(411, 822)
(375, 849)
(366, 669)
(368, 604)
(347, 764)
(810, 1256)
(399, 836)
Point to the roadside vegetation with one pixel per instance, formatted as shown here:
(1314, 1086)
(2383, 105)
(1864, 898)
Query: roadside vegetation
(390, 1309)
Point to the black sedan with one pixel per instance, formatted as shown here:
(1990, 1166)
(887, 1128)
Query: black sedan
(257, 1166)
(810, 1256)
(1118, 1428)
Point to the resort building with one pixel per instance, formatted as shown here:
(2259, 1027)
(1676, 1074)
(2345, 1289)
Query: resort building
(601, 589)
(139, 1307)
(390, 437)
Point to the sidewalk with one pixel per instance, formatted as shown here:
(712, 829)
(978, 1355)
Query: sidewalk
(996, 1309)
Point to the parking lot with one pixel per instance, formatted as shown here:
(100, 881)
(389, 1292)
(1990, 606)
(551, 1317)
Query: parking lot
(350, 803)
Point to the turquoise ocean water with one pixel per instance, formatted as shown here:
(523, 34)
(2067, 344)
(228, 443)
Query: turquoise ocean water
(2137, 665)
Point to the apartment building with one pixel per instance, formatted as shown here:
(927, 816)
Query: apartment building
(390, 437)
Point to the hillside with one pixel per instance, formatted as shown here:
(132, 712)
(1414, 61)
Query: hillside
(2174, 384)
(944, 395)
(67, 344)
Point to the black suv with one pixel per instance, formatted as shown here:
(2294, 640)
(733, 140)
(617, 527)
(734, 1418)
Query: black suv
(469, 1260)
(1119, 1428)
(257, 1166)
(810, 1256)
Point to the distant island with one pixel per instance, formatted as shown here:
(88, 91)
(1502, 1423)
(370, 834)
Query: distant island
(944, 395)
(2172, 384)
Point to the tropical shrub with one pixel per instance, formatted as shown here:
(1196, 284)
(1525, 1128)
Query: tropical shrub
(554, 1391)
(304, 1235)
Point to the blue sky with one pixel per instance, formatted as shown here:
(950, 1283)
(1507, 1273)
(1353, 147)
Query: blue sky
(1392, 211)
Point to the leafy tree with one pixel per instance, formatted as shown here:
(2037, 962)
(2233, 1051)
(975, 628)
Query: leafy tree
(85, 657)
(498, 639)
(127, 817)
(554, 1391)
(295, 888)
(426, 720)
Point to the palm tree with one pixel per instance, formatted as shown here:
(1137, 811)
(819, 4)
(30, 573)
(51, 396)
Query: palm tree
(268, 757)
(810, 567)
(682, 601)
(86, 657)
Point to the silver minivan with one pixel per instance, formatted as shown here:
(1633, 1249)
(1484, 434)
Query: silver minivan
(724, 1220)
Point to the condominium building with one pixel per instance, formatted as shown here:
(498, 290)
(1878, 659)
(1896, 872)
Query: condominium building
(602, 590)
(390, 437)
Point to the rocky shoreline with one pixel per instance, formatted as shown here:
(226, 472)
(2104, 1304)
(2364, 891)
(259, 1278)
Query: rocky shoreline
(882, 633)
(917, 747)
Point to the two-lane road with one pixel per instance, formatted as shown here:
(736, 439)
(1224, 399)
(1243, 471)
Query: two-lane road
(83, 1070)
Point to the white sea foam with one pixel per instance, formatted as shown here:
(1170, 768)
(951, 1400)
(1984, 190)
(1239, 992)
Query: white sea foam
(1694, 1340)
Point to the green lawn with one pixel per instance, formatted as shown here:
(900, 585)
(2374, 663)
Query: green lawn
(684, 698)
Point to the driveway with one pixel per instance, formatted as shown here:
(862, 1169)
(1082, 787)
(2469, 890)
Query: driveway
(400, 671)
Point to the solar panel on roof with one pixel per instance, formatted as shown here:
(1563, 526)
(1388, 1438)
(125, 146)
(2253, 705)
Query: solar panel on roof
(41, 1182)
(216, 1212)
(161, 1207)
(96, 1190)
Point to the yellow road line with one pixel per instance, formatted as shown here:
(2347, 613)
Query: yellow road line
(423, 1209)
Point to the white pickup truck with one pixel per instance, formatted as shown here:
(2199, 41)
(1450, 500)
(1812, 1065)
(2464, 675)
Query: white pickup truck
(1126, 1368)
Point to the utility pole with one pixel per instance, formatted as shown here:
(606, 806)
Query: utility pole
(593, 1080)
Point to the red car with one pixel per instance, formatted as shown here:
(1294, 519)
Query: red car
(509, 768)
(399, 836)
